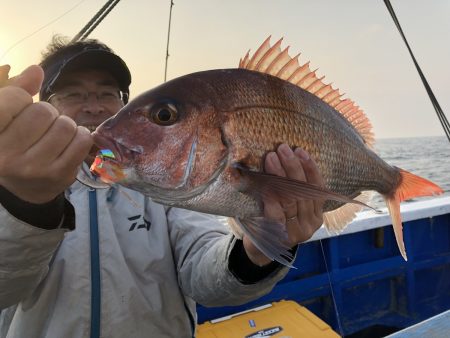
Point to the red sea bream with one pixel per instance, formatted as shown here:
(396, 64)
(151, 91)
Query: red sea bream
(199, 142)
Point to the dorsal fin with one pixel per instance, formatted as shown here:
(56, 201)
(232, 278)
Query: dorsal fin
(277, 62)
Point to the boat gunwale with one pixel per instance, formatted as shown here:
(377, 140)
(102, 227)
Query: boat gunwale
(367, 220)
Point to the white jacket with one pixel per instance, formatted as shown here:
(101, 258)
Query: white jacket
(153, 264)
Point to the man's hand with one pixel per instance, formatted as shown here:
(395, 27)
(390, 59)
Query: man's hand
(41, 150)
(302, 217)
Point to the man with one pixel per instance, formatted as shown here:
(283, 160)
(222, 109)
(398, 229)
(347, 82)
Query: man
(80, 262)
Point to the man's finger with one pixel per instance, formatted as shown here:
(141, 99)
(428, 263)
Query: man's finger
(30, 80)
(310, 168)
(313, 175)
(28, 127)
(4, 71)
(273, 210)
(291, 163)
(273, 165)
(74, 154)
(52, 144)
(12, 102)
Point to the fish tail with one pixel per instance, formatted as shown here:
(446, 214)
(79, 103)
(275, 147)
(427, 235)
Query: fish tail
(410, 186)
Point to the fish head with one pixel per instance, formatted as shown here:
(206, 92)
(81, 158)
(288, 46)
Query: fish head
(167, 141)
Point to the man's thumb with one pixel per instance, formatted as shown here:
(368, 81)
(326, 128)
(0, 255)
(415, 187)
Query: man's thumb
(4, 70)
(30, 79)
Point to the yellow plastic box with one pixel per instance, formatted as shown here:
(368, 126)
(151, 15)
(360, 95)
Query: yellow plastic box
(284, 319)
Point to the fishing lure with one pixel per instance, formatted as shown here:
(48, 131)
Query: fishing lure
(106, 167)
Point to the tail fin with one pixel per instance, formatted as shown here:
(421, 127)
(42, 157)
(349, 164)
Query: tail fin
(410, 186)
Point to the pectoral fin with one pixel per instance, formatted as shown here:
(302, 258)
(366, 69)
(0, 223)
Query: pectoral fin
(262, 184)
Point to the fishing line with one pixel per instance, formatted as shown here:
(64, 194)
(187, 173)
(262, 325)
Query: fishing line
(41, 28)
(338, 317)
(440, 113)
(168, 38)
(84, 178)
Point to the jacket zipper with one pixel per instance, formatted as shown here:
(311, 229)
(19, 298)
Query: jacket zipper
(95, 265)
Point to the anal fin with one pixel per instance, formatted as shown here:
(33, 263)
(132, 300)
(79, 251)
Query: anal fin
(336, 221)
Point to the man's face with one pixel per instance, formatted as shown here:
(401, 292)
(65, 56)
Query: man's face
(88, 97)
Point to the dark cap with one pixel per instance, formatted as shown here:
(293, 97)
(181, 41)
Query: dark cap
(88, 58)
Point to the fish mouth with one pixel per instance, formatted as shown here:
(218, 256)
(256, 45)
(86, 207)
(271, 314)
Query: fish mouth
(122, 153)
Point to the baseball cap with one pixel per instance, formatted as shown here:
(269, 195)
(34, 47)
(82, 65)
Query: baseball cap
(89, 58)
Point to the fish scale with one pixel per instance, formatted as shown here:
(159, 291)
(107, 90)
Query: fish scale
(348, 171)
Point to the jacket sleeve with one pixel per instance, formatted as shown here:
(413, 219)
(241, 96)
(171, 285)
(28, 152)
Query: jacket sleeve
(202, 246)
(25, 254)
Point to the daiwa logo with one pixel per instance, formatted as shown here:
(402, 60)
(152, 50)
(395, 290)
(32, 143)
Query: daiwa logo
(137, 224)
(266, 332)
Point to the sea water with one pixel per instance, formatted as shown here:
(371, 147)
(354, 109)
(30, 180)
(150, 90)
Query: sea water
(428, 157)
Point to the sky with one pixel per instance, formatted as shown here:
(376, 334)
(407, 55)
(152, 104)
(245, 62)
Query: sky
(354, 43)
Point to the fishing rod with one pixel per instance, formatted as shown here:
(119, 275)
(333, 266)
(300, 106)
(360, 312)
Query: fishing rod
(95, 21)
(440, 113)
(168, 38)
(103, 12)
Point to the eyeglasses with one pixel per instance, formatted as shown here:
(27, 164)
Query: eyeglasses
(74, 96)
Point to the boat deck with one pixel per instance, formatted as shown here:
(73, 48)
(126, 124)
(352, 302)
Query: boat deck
(434, 327)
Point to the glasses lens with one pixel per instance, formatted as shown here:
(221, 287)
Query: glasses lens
(80, 96)
(108, 96)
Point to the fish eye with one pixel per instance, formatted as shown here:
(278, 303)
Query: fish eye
(164, 114)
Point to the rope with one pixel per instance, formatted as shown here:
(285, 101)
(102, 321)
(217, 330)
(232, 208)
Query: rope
(168, 38)
(95, 21)
(441, 116)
